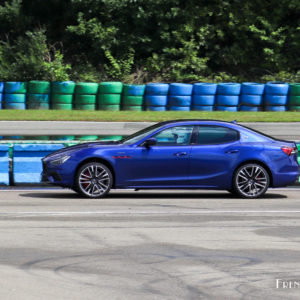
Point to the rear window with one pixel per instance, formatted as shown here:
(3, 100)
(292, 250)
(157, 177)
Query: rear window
(209, 135)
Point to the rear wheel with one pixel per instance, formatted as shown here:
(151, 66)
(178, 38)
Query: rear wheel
(93, 180)
(251, 181)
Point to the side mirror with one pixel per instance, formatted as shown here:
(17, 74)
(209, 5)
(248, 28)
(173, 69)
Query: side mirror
(150, 142)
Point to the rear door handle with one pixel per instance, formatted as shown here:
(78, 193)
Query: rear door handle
(232, 151)
(180, 153)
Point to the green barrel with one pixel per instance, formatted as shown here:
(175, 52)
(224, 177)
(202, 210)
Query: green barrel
(133, 90)
(62, 106)
(63, 138)
(39, 87)
(132, 108)
(294, 100)
(61, 98)
(112, 87)
(295, 89)
(40, 98)
(109, 107)
(294, 108)
(38, 105)
(15, 87)
(110, 138)
(86, 88)
(85, 99)
(133, 100)
(87, 137)
(80, 106)
(63, 87)
(109, 99)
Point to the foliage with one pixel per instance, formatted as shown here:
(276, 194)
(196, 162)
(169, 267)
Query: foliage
(148, 40)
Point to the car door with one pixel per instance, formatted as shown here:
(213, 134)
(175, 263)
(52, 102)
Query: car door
(213, 156)
(164, 164)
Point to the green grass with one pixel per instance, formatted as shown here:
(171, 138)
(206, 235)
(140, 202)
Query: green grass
(107, 116)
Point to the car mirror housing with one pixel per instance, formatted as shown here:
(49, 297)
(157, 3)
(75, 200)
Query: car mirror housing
(150, 142)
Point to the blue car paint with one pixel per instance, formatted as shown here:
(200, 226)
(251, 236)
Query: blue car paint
(201, 166)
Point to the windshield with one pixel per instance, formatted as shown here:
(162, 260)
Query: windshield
(131, 139)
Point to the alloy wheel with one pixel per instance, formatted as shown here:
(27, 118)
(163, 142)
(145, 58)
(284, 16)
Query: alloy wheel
(251, 181)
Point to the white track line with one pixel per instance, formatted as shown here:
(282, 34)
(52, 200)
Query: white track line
(183, 212)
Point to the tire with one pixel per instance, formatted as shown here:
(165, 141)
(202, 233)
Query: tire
(62, 106)
(97, 187)
(252, 88)
(109, 107)
(229, 88)
(133, 90)
(133, 100)
(275, 99)
(250, 108)
(203, 100)
(86, 88)
(226, 108)
(14, 87)
(41, 98)
(88, 107)
(109, 99)
(202, 108)
(179, 100)
(132, 108)
(62, 99)
(294, 100)
(294, 108)
(1, 97)
(37, 105)
(15, 98)
(179, 108)
(11, 105)
(275, 108)
(1, 87)
(63, 138)
(158, 89)
(247, 99)
(251, 181)
(85, 99)
(180, 89)
(156, 108)
(294, 89)
(156, 100)
(38, 87)
(111, 138)
(112, 87)
(63, 87)
(227, 100)
(88, 137)
(276, 88)
(204, 88)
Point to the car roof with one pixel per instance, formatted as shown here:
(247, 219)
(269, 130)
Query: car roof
(194, 120)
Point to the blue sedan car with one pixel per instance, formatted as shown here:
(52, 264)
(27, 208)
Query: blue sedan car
(181, 154)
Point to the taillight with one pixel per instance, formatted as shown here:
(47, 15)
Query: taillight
(289, 150)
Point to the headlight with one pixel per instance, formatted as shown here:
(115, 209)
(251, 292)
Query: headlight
(59, 161)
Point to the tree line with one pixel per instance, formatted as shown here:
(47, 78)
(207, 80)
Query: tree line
(141, 41)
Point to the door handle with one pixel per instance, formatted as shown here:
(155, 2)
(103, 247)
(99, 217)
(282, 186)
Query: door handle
(180, 153)
(232, 151)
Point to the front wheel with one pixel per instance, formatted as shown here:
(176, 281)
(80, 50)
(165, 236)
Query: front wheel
(93, 180)
(251, 181)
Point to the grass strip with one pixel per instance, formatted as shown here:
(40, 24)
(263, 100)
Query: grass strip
(133, 116)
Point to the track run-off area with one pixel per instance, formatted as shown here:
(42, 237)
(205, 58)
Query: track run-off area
(148, 245)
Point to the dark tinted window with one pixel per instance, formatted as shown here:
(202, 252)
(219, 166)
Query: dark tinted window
(216, 135)
(174, 136)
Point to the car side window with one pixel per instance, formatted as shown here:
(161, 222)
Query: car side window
(174, 136)
(211, 135)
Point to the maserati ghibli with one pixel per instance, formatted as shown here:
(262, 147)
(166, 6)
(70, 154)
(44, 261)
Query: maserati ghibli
(179, 154)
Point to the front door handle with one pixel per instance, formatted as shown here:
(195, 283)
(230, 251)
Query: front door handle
(180, 153)
(232, 151)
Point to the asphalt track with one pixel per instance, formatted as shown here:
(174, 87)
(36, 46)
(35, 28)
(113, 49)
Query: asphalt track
(148, 245)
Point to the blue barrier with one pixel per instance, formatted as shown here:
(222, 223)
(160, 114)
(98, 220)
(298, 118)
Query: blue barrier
(27, 164)
(1, 87)
(4, 165)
